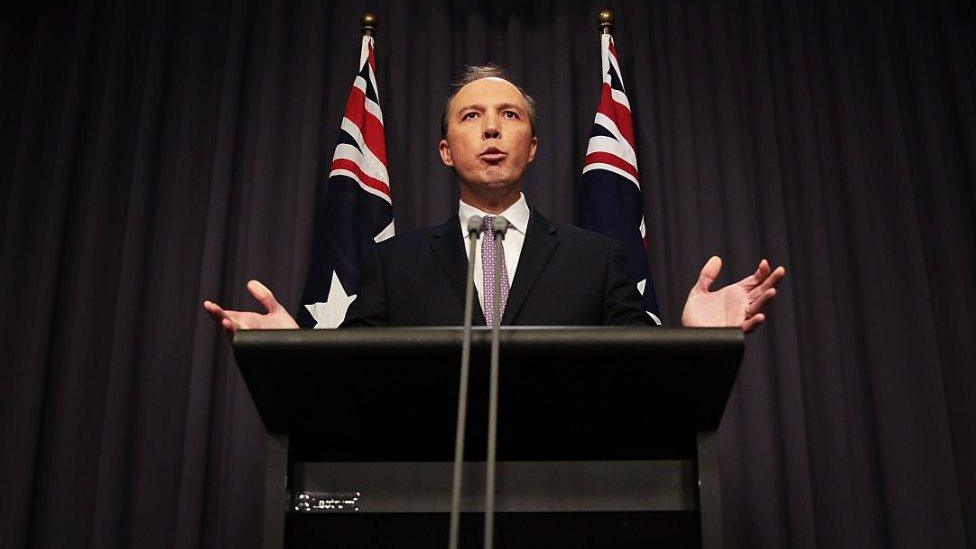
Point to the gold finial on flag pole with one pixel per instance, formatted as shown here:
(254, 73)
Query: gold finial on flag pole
(606, 21)
(368, 23)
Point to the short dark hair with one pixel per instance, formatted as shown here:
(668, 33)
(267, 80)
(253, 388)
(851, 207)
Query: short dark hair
(473, 73)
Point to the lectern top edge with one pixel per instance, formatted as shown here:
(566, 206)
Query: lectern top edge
(521, 335)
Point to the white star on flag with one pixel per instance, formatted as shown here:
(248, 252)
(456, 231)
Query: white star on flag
(640, 288)
(331, 313)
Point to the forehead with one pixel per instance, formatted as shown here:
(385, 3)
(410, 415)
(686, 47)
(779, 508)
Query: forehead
(488, 91)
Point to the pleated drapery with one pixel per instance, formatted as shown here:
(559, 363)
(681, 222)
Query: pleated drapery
(156, 154)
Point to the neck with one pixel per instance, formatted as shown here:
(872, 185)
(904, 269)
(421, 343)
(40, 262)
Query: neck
(493, 201)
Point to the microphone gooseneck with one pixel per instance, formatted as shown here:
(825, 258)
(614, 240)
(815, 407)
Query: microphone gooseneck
(474, 230)
(499, 227)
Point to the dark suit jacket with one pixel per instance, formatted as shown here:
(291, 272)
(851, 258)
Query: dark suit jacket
(565, 276)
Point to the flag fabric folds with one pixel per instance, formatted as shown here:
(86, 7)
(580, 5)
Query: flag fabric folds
(353, 209)
(610, 201)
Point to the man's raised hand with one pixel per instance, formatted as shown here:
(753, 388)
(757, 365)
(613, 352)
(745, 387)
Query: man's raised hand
(276, 317)
(740, 304)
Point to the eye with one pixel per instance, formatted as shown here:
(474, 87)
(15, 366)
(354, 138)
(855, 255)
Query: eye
(470, 115)
(510, 114)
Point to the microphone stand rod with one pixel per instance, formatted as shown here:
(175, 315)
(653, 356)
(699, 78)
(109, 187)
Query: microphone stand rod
(474, 229)
(500, 225)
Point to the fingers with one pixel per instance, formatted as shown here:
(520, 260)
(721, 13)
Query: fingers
(773, 279)
(762, 271)
(263, 295)
(754, 312)
(229, 326)
(225, 318)
(709, 273)
(763, 279)
(215, 310)
(753, 323)
(763, 289)
(757, 306)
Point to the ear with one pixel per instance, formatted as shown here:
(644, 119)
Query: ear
(445, 149)
(532, 147)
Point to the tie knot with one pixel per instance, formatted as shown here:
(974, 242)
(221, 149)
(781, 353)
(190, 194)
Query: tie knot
(486, 223)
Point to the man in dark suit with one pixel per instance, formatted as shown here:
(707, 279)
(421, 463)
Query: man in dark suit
(556, 275)
(566, 276)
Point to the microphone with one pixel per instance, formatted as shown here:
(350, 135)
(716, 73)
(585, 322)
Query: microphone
(474, 226)
(499, 227)
(474, 230)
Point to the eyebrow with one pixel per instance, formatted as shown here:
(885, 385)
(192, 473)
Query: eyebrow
(511, 106)
(501, 106)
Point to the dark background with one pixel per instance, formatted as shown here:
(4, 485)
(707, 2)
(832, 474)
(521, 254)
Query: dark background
(156, 154)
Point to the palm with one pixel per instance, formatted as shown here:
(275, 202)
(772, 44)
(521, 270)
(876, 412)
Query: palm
(247, 320)
(736, 305)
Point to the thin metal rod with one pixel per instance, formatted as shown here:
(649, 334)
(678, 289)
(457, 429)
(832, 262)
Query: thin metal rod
(462, 398)
(493, 398)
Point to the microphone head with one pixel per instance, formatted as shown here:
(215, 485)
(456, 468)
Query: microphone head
(474, 225)
(499, 225)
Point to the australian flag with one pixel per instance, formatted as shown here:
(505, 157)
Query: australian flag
(353, 209)
(611, 201)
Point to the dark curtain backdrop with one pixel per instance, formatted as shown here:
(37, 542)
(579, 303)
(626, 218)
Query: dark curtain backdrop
(155, 154)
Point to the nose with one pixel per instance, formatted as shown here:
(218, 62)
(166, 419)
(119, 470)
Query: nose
(491, 130)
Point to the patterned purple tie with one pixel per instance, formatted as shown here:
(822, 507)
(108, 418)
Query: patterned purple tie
(488, 271)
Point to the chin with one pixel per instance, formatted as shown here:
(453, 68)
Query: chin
(497, 184)
(499, 178)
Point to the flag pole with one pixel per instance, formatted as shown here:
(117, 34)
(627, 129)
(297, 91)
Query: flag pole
(368, 23)
(605, 18)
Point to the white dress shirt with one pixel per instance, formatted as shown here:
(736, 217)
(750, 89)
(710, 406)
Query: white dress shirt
(518, 217)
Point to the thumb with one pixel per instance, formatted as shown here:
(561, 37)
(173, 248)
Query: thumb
(263, 295)
(709, 273)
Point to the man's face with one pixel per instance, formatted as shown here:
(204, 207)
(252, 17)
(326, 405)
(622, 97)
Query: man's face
(489, 139)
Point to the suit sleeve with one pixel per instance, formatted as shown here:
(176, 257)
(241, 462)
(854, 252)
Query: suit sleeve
(369, 307)
(622, 303)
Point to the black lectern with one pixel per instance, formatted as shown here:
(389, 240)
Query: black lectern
(610, 424)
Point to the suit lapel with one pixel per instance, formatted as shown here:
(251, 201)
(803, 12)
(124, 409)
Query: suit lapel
(448, 248)
(540, 243)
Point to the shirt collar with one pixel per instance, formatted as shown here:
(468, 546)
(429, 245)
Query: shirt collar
(517, 214)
